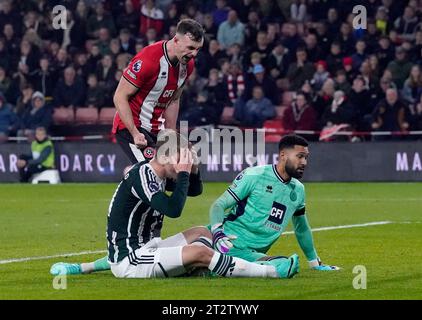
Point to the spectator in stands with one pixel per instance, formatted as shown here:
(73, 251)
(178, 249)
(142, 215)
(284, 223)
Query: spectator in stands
(104, 41)
(412, 88)
(262, 47)
(360, 54)
(323, 98)
(5, 82)
(390, 114)
(129, 19)
(400, 67)
(416, 115)
(339, 112)
(278, 61)
(210, 27)
(335, 58)
(10, 15)
(61, 61)
(220, 13)
(260, 78)
(407, 24)
(127, 43)
(384, 52)
(98, 20)
(315, 52)
(81, 65)
(209, 59)
(4, 54)
(151, 17)
(257, 109)
(70, 90)
(44, 78)
(11, 40)
(320, 75)
(23, 103)
(105, 70)
(231, 31)
(252, 26)
(8, 119)
(235, 82)
(41, 159)
(300, 71)
(300, 115)
(341, 82)
(333, 22)
(94, 58)
(234, 54)
(39, 115)
(95, 94)
(359, 98)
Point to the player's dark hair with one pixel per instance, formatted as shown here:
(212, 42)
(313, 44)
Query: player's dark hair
(192, 27)
(290, 141)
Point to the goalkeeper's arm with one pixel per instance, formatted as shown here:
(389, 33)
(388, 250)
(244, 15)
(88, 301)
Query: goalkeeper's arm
(221, 241)
(303, 234)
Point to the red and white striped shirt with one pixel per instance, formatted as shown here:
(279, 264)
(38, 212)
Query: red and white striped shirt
(157, 81)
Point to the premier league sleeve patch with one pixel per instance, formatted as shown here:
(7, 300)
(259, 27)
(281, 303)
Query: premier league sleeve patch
(137, 66)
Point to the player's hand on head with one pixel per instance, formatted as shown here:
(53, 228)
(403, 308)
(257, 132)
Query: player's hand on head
(318, 265)
(185, 161)
(139, 140)
(221, 242)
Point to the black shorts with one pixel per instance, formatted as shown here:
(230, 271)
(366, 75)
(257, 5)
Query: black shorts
(135, 154)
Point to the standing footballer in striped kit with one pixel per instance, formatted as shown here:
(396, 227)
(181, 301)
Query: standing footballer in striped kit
(148, 95)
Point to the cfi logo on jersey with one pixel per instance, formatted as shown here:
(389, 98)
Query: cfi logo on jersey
(137, 66)
(149, 152)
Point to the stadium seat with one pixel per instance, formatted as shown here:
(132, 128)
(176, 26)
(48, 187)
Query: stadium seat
(86, 116)
(106, 115)
(63, 116)
(51, 176)
(288, 97)
(273, 127)
(227, 115)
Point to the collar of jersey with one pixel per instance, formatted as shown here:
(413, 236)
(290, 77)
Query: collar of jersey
(278, 175)
(167, 55)
(159, 180)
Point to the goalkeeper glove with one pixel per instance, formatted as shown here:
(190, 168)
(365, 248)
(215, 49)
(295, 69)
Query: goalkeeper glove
(316, 264)
(220, 241)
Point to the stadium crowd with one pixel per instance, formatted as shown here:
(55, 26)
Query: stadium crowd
(299, 63)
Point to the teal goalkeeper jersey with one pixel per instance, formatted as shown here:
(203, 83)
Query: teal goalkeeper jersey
(265, 204)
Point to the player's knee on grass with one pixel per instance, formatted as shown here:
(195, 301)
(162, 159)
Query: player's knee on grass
(196, 256)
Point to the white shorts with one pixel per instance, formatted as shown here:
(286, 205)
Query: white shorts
(156, 259)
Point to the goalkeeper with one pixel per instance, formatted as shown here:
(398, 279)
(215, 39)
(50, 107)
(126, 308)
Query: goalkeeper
(252, 214)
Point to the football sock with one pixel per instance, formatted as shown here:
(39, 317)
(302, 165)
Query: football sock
(228, 266)
(98, 265)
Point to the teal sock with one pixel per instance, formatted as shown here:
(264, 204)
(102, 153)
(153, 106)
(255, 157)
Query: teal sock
(98, 265)
(101, 264)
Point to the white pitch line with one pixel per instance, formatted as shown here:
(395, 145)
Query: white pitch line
(50, 257)
(369, 224)
(348, 226)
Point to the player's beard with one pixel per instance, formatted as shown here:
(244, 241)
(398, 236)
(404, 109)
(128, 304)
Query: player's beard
(294, 172)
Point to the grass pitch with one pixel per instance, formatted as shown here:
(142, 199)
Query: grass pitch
(43, 220)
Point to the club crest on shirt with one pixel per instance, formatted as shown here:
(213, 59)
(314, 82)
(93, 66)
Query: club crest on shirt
(137, 66)
(149, 153)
